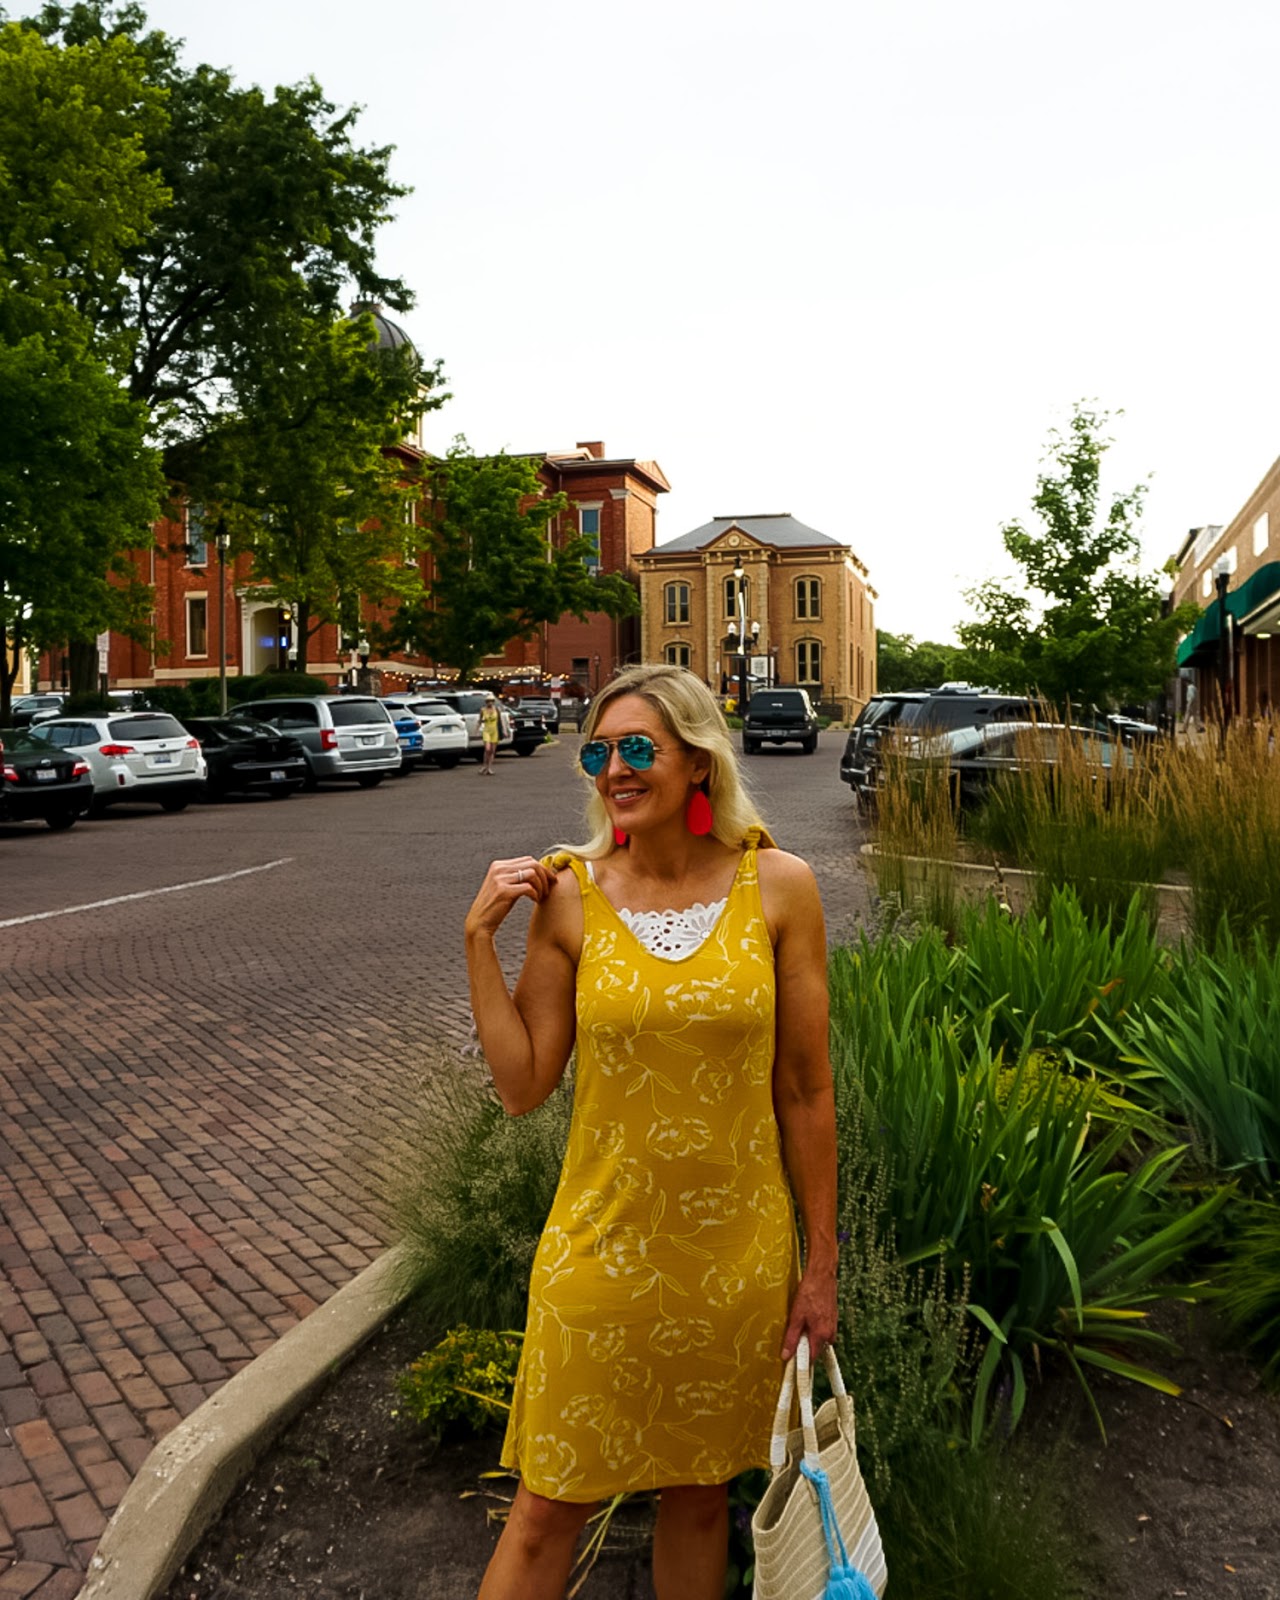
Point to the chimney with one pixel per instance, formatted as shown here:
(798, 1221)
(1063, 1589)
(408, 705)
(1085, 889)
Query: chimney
(594, 448)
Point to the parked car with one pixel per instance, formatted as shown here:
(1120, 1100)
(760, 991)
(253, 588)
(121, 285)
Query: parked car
(874, 721)
(779, 716)
(979, 757)
(528, 730)
(953, 707)
(468, 703)
(39, 782)
(244, 756)
(133, 755)
(408, 737)
(342, 735)
(548, 710)
(24, 709)
(444, 732)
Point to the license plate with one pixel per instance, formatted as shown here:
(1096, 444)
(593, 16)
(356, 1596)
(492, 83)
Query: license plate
(45, 777)
(371, 738)
(277, 777)
(161, 760)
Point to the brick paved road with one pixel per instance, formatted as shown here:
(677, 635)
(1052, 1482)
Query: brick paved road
(199, 1088)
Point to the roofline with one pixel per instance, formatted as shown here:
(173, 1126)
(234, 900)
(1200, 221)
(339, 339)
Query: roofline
(627, 464)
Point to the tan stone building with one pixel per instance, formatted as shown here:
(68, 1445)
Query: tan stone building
(810, 609)
(1234, 648)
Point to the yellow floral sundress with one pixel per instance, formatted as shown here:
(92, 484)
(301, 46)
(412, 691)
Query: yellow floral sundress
(661, 1284)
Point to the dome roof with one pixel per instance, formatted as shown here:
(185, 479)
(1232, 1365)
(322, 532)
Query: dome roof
(390, 335)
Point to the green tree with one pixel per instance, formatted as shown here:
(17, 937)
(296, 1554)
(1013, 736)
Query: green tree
(309, 480)
(902, 663)
(79, 485)
(1084, 623)
(273, 213)
(500, 571)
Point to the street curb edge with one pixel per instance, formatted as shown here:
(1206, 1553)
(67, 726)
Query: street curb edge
(189, 1476)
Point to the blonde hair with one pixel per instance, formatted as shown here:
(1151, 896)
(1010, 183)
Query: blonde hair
(688, 710)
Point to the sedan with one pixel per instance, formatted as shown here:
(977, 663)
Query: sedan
(547, 710)
(444, 733)
(245, 756)
(39, 783)
(409, 737)
(977, 757)
(28, 708)
(137, 755)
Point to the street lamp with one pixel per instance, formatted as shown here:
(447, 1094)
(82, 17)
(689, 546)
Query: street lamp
(1221, 578)
(222, 539)
(741, 583)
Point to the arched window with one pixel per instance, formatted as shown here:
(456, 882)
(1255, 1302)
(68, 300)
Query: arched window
(677, 598)
(731, 598)
(677, 655)
(809, 661)
(808, 599)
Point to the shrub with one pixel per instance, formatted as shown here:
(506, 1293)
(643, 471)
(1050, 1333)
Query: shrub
(917, 836)
(467, 1378)
(1211, 1049)
(469, 1201)
(275, 683)
(1065, 1248)
(1249, 1296)
(1224, 809)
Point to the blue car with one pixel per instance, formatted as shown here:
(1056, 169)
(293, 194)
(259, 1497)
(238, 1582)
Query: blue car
(409, 738)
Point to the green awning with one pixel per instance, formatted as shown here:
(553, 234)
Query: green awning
(1200, 647)
(1255, 591)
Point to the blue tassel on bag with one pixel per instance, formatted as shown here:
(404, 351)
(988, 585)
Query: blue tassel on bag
(844, 1582)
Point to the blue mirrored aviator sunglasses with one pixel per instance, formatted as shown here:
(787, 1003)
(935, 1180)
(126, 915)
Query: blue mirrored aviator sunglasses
(636, 749)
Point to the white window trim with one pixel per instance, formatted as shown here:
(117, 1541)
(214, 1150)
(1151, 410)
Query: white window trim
(1261, 533)
(669, 590)
(810, 616)
(197, 655)
(808, 646)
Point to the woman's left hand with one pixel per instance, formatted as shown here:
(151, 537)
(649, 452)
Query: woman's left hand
(813, 1311)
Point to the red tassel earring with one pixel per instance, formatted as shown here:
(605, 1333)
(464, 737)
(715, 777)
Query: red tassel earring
(697, 817)
(619, 838)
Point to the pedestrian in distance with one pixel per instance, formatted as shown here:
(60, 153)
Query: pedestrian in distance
(490, 733)
(683, 956)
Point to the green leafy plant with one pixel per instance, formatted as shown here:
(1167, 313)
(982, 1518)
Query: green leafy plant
(467, 1378)
(1211, 1050)
(469, 1197)
(1249, 1285)
(1066, 1247)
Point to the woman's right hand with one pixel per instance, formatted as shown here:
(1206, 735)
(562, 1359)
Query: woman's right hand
(520, 878)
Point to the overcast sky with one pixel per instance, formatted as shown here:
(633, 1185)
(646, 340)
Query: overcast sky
(846, 260)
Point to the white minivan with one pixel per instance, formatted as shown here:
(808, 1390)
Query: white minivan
(342, 735)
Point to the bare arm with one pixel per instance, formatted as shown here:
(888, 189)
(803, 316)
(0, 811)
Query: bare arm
(803, 1095)
(526, 1037)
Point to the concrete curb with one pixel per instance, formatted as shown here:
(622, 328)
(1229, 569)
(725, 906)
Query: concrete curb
(189, 1476)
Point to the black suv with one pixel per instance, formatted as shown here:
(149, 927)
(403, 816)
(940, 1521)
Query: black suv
(779, 716)
(937, 711)
(877, 717)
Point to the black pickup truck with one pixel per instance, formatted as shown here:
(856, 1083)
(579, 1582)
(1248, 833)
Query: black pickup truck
(779, 716)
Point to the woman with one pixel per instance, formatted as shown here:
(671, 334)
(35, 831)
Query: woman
(490, 733)
(688, 965)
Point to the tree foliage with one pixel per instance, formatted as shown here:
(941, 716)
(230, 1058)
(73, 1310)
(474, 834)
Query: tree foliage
(306, 480)
(79, 485)
(500, 570)
(902, 663)
(1084, 623)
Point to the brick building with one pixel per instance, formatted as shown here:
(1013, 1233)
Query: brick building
(810, 608)
(1233, 653)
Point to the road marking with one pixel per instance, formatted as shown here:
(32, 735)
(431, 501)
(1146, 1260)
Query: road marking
(145, 894)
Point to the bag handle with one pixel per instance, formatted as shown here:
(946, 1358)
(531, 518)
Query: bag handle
(797, 1378)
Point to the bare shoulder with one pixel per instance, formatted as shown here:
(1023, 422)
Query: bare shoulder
(788, 892)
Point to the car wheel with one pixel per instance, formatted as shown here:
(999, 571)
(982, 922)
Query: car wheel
(174, 802)
(810, 744)
(750, 747)
(403, 770)
(60, 821)
(97, 807)
(447, 763)
(280, 791)
(369, 780)
(525, 749)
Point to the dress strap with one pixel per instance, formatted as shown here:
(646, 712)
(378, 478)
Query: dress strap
(757, 836)
(565, 858)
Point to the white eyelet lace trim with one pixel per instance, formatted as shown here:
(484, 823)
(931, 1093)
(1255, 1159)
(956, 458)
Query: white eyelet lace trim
(671, 935)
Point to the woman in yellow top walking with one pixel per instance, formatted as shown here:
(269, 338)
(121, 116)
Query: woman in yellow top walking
(685, 957)
(490, 733)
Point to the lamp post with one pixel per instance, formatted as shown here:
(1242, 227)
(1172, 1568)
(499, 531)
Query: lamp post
(741, 583)
(222, 539)
(1221, 578)
(362, 651)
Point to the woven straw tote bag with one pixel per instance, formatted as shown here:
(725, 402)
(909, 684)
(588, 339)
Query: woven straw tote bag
(793, 1557)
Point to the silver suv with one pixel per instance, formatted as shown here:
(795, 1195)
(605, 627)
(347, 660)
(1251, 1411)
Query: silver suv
(342, 735)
